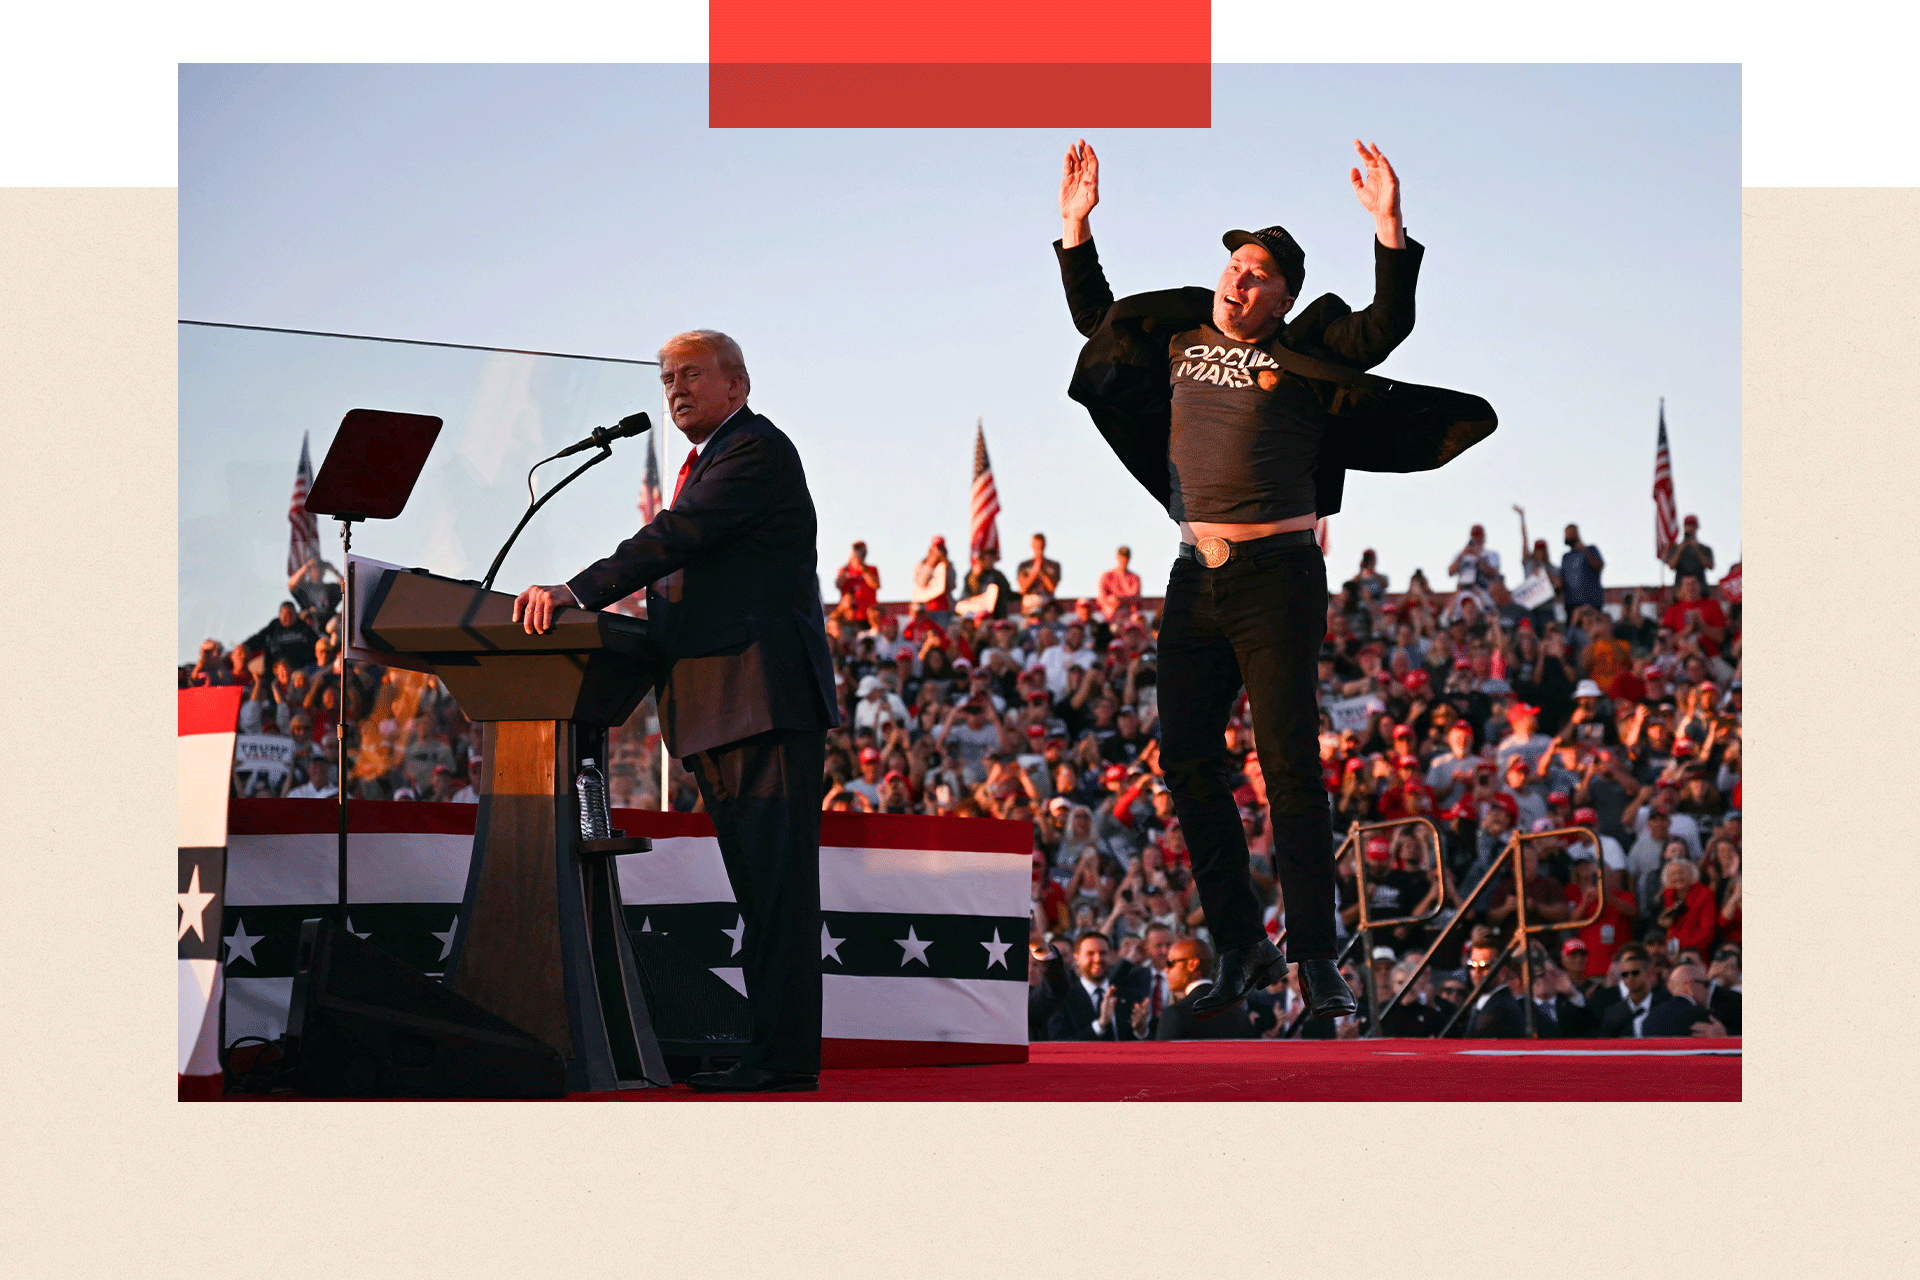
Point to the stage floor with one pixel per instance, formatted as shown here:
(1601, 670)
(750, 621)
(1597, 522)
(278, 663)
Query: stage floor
(1698, 1070)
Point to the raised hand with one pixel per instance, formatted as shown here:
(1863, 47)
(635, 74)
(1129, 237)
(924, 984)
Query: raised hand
(1379, 194)
(1079, 192)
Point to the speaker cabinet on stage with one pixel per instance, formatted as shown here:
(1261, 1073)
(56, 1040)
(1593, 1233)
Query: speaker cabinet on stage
(699, 1018)
(363, 1024)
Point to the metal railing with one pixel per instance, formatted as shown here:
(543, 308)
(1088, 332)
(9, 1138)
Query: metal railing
(1513, 856)
(1356, 836)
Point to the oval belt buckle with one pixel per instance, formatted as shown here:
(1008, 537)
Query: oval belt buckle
(1214, 552)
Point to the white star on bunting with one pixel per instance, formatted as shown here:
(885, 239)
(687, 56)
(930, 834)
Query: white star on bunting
(193, 908)
(996, 951)
(912, 948)
(240, 944)
(355, 932)
(829, 945)
(738, 932)
(446, 939)
(646, 924)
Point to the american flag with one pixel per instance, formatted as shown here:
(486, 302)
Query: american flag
(983, 530)
(304, 544)
(650, 487)
(1666, 524)
(650, 504)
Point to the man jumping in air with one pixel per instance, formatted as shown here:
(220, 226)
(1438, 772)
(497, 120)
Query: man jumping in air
(1242, 426)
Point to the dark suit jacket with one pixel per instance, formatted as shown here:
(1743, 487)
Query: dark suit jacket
(1674, 1018)
(1412, 1019)
(1178, 1021)
(1725, 1003)
(1045, 1000)
(1500, 1018)
(1616, 1018)
(1122, 374)
(733, 594)
(1073, 1018)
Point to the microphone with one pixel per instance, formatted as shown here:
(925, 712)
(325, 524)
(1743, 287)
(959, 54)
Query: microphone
(632, 425)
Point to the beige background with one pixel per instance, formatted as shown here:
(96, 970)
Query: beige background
(104, 1173)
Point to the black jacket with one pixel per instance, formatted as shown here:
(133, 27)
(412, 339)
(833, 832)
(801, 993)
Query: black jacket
(1674, 1018)
(733, 594)
(1725, 1004)
(1179, 1022)
(1379, 425)
(1616, 1015)
(1073, 1018)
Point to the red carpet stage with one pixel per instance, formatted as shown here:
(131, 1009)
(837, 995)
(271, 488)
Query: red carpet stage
(1286, 1071)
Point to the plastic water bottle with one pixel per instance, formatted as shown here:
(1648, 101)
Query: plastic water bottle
(596, 823)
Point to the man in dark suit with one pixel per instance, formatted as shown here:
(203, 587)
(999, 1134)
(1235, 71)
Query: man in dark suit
(1099, 996)
(1624, 1007)
(1189, 961)
(1687, 1014)
(1501, 1014)
(1235, 420)
(745, 686)
(1723, 981)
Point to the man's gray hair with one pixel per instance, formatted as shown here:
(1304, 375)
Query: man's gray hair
(711, 340)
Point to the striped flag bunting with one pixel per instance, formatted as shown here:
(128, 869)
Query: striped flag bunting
(304, 542)
(853, 64)
(983, 530)
(1666, 523)
(207, 720)
(924, 920)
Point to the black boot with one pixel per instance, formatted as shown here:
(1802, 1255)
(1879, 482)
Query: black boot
(1241, 970)
(1326, 991)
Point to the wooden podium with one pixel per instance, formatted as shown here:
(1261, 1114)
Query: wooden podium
(542, 938)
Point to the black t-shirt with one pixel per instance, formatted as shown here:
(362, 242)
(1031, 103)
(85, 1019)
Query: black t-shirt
(1392, 895)
(1123, 750)
(293, 642)
(1608, 800)
(1691, 561)
(1245, 437)
(975, 583)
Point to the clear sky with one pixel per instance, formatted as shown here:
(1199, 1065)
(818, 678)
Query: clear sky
(890, 287)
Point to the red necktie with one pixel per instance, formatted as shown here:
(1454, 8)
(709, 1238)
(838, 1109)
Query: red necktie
(681, 482)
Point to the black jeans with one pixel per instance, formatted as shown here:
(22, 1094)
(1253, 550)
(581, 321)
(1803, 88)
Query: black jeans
(763, 795)
(1257, 622)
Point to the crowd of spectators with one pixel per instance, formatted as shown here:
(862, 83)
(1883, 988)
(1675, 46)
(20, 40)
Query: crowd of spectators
(1606, 732)
(1615, 725)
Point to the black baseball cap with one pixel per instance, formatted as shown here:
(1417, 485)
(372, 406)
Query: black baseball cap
(1280, 246)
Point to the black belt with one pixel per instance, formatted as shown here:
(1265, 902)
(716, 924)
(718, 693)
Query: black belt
(1214, 552)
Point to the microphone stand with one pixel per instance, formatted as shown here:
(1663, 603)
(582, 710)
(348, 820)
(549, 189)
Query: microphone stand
(340, 729)
(606, 451)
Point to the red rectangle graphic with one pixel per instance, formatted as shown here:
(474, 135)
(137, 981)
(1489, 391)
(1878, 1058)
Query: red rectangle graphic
(845, 95)
(980, 31)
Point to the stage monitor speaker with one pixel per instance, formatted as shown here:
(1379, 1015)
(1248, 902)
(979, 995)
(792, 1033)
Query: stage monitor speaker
(363, 1024)
(695, 1013)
